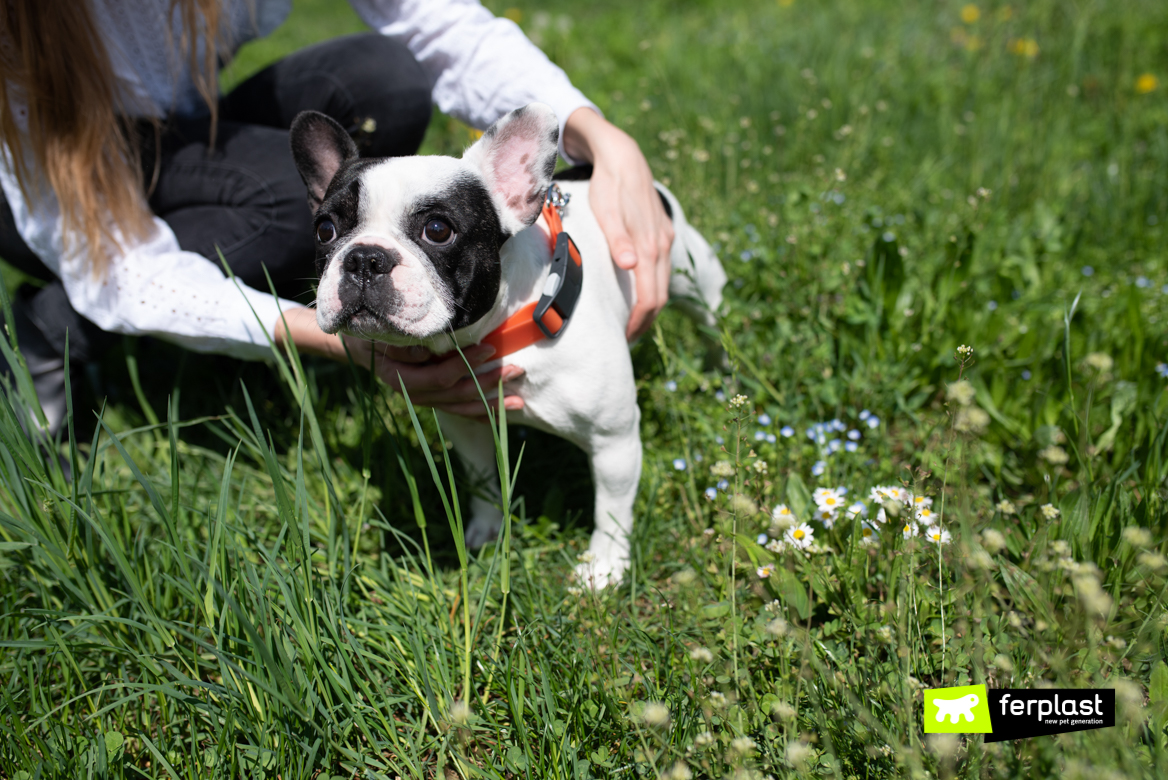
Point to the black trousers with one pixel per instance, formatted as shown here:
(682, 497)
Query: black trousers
(244, 196)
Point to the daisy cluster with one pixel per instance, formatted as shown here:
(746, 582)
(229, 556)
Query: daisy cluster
(918, 518)
(894, 505)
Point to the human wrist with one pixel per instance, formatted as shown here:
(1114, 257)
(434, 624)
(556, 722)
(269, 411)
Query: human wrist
(298, 326)
(582, 133)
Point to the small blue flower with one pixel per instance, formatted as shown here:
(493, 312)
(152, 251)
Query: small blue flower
(1142, 282)
(992, 305)
(873, 421)
(811, 433)
(819, 467)
(759, 435)
(671, 386)
(854, 435)
(787, 431)
(679, 464)
(746, 255)
(888, 236)
(719, 395)
(711, 493)
(762, 539)
(843, 491)
(1162, 370)
(834, 445)
(723, 484)
(719, 440)
(1164, 290)
(864, 415)
(838, 425)
(771, 438)
(1026, 374)
(851, 446)
(764, 419)
(1088, 271)
(698, 457)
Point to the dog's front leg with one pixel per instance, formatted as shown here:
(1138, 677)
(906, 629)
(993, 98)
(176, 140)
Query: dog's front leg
(616, 472)
(475, 445)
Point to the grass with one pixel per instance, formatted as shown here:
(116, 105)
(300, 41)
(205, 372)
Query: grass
(265, 582)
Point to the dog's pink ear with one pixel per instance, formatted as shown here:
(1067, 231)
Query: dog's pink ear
(517, 156)
(320, 147)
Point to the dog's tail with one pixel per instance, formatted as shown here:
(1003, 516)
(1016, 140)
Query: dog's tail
(698, 276)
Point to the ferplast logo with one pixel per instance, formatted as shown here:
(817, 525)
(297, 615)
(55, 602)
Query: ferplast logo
(1003, 714)
(961, 710)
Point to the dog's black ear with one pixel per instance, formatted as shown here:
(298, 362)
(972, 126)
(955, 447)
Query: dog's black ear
(320, 147)
(517, 156)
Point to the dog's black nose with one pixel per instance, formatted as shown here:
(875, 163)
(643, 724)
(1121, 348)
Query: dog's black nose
(366, 261)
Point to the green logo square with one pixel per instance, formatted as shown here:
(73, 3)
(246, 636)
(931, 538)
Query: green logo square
(961, 710)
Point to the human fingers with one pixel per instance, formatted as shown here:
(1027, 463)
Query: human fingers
(476, 411)
(427, 377)
(467, 389)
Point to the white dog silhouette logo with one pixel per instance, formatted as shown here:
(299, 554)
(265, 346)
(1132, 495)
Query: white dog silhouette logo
(956, 708)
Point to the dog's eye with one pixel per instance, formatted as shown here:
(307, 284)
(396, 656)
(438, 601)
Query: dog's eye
(326, 231)
(438, 232)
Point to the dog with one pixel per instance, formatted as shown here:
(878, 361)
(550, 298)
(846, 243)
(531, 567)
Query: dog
(440, 251)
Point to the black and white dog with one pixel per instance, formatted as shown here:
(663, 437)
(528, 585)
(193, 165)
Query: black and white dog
(440, 251)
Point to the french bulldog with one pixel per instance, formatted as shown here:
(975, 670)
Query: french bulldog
(439, 251)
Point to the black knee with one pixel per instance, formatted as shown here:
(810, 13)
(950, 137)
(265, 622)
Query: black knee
(391, 94)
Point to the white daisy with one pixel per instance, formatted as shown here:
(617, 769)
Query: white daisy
(776, 545)
(764, 572)
(920, 501)
(782, 512)
(910, 530)
(881, 516)
(859, 509)
(828, 498)
(925, 515)
(825, 516)
(868, 534)
(801, 536)
(936, 535)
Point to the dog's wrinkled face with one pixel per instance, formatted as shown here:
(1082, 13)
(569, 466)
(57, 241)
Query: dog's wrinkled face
(408, 248)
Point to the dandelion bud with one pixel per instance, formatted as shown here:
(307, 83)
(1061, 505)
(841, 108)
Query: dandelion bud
(655, 714)
(780, 710)
(1004, 663)
(1054, 455)
(679, 771)
(1100, 361)
(704, 739)
(971, 419)
(743, 506)
(993, 540)
(460, 713)
(701, 654)
(742, 745)
(960, 392)
(1137, 537)
(777, 628)
(798, 754)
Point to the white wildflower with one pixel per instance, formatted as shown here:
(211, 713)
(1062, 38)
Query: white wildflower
(1049, 511)
(801, 536)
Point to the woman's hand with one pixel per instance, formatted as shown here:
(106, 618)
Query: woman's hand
(442, 382)
(628, 209)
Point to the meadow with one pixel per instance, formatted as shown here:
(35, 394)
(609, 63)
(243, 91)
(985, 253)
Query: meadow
(934, 455)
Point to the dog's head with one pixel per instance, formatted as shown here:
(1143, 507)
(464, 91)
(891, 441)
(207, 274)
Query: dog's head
(408, 247)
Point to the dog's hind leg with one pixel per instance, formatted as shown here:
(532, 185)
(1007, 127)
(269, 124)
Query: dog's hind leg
(616, 472)
(475, 446)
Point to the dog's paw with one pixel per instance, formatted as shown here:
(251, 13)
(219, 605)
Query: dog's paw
(598, 571)
(482, 530)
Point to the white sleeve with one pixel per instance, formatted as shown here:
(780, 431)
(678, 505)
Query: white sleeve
(481, 66)
(153, 288)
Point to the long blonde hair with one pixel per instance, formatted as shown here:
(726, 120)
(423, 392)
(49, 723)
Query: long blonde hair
(53, 62)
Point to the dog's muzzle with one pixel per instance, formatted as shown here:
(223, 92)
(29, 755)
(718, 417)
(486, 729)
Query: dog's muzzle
(364, 263)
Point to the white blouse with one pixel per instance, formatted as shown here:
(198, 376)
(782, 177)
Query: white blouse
(480, 66)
